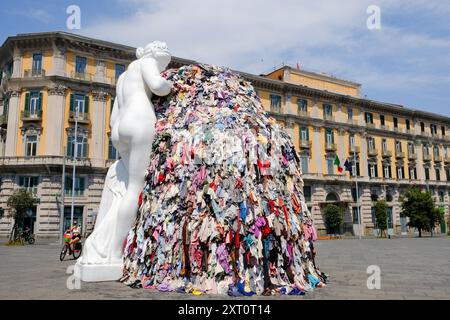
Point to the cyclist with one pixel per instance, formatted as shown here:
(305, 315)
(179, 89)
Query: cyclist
(76, 233)
(68, 238)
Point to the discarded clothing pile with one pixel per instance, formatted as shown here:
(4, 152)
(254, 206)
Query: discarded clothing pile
(222, 211)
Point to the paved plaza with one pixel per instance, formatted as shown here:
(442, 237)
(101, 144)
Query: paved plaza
(411, 268)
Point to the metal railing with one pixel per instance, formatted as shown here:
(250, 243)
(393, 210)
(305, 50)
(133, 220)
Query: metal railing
(354, 149)
(399, 154)
(304, 114)
(34, 73)
(437, 158)
(85, 76)
(412, 156)
(31, 115)
(328, 117)
(305, 144)
(78, 193)
(427, 157)
(83, 117)
(373, 152)
(330, 147)
(386, 154)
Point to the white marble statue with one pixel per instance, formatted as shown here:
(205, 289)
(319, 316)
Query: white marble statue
(132, 132)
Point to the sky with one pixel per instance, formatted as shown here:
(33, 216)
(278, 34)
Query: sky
(405, 61)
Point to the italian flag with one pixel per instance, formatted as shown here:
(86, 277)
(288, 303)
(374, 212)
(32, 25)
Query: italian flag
(337, 162)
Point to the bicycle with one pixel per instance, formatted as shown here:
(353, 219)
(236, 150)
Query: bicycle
(76, 252)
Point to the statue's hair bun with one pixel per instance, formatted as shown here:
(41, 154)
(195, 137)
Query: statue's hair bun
(140, 52)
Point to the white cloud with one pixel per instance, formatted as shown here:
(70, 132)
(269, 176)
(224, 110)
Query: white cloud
(329, 36)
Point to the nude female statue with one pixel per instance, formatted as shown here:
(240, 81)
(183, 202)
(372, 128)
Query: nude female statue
(132, 124)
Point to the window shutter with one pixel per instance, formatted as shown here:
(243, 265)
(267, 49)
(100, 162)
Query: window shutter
(27, 102)
(86, 104)
(40, 101)
(72, 103)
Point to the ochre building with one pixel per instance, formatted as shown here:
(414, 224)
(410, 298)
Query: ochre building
(47, 76)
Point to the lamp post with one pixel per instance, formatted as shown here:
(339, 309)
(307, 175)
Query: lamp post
(75, 154)
(355, 174)
(63, 190)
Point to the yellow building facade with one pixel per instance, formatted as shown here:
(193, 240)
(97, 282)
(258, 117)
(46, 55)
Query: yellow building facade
(48, 76)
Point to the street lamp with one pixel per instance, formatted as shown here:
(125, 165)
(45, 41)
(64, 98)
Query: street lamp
(75, 154)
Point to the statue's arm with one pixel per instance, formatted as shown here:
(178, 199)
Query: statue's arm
(157, 84)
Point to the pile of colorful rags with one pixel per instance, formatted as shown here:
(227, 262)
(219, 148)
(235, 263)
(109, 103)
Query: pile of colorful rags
(222, 210)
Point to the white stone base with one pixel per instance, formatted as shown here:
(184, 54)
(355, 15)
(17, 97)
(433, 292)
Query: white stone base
(98, 272)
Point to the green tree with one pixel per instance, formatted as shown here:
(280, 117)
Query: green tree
(381, 216)
(20, 201)
(333, 218)
(420, 208)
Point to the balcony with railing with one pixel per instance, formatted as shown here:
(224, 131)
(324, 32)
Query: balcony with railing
(354, 149)
(386, 154)
(370, 125)
(353, 122)
(85, 76)
(328, 117)
(3, 120)
(412, 156)
(399, 154)
(31, 115)
(373, 152)
(330, 147)
(32, 73)
(305, 144)
(438, 158)
(427, 157)
(304, 114)
(83, 117)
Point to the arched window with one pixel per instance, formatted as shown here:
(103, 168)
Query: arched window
(332, 197)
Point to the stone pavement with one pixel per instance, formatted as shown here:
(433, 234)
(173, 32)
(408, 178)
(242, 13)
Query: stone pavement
(411, 268)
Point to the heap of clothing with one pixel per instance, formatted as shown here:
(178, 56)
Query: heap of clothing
(222, 210)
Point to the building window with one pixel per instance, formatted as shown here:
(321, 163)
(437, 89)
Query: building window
(447, 171)
(427, 173)
(31, 145)
(37, 64)
(387, 171)
(441, 196)
(398, 146)
(355, 169)
(355, 212)
(119, 69)
(426, 152)
(33, 104)
(438, 174)
(352, 141)
(408, 125)
(395, 122)
(433, 129)
(443, 131)
(330, 166)
(436, 151)
(369, 117)
(79, 101)
(304, 163)
(80, 65)
(412, 173)
(371, 142)
(411, 148)
(329, 137)
(382, 121)
(354, 195)
(29, 183)
(112, 152)
(82, 146)
(390, 220)
(275, 103)
(422, 127)
(307, 192)
(400, 173)
(302, 105)
(304, 134)
(373, 170)
(374, 220)
(327, 110)
(384, 146)
(80, 186)
(350, 113)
